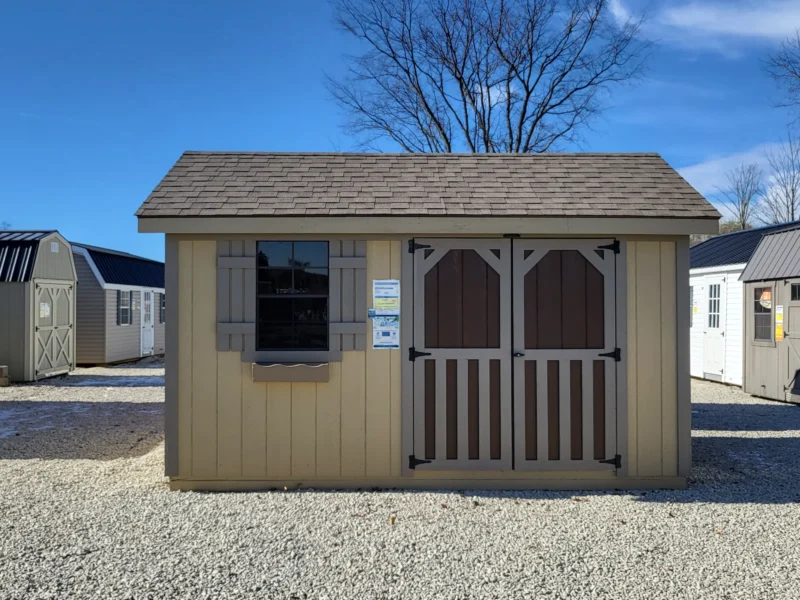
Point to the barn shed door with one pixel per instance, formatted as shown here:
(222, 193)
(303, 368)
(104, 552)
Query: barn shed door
(54, 329)
(564, 354)
(462, 354)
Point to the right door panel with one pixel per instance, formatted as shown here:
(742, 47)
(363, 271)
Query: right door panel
(564, 309)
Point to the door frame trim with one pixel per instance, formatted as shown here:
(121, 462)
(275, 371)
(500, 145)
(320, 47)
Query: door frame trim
(142, 291)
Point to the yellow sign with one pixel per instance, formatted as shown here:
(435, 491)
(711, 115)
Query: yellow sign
(387, 304)
(779, 323)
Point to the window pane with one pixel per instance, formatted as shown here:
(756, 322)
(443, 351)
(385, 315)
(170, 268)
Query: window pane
(274, 254)
(311, 336)
(274, 309)
(274, 281)
(795, 291)
(311, 281)
(276, 336)
(311, 254)
(311, 310)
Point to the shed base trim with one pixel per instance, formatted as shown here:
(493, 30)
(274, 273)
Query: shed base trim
(627, 483)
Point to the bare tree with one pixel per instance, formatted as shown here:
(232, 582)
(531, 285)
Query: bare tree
(741, 196)
(5, 225)
(781, 201)
(784, 67)
(481, 75)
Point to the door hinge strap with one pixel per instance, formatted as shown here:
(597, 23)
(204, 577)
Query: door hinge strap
(413, 354)
(616, 461)
(413, 462)
(616, 354)
(613, 246)
(414, 246)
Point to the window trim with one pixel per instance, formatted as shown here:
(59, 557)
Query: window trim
(753, 339)
(120, 295)
(162, 308)
(327, 296)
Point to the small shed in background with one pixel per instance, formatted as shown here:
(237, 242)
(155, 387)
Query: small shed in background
(121, 305)
(716, 298)
(37, 304)
(772, 317)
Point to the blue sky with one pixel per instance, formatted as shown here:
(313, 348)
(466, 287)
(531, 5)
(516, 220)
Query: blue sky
(100, 98)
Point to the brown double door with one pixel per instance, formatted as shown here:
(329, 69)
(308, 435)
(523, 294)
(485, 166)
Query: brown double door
(508, 338)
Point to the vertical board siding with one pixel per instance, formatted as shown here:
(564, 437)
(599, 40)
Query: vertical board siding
(304, 429)
(229, 415)
(185, 365)
(652, 358)
(254, 425)
(204, 361)
(15, 314)
(354, 414)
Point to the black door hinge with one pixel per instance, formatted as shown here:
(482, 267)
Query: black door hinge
(414, 246)
(413, 354)
(613, 246)
(413, 462)
(616, 461)
(616, 354)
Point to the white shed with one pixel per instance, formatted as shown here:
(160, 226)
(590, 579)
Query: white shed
(717, 303)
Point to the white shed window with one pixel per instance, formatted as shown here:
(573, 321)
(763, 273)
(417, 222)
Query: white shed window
(162, 308)
(124, 312)
(795, 292)
(713, 306)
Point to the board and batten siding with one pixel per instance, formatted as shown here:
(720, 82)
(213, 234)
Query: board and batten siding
(654, 435)
(54, 265)
(123, 342)
(230, 429)
(90, 325)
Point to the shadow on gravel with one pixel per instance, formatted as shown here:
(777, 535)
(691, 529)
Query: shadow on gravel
(103, 381)
(79, 430)
(774, 416)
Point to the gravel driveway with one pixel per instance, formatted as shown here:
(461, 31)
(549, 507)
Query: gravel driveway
(85, 513)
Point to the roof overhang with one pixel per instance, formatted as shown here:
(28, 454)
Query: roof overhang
(428, 225)
(718, 269)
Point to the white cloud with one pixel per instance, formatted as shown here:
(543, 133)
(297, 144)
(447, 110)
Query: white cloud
(706, 177)
(717, 25)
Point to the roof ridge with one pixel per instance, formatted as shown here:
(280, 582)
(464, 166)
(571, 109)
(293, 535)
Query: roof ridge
(420, 154)
(116, 252)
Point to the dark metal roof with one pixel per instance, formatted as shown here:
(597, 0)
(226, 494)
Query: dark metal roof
(18, 250)
(777, 256)
(126, 269)
(731, 248)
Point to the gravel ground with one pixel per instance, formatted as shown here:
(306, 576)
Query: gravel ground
(85, 513)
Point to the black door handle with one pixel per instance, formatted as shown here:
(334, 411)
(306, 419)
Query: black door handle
(518, 354)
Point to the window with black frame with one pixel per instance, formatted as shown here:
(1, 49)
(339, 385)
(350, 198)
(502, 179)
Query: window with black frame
(292, 304)
(762, 314)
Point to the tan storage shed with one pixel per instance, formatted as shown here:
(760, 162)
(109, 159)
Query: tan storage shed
(772, 317)
(542, 339)
(37, 304)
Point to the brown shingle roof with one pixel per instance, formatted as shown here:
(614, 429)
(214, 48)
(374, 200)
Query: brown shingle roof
(312, 184)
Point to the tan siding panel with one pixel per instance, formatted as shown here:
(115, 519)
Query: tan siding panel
(185, 374)
(204, 361)
(14, 314)
(254, 425)
(353, 414)
(669, 362)
(395, 366)
(279, 429)
(329, 425)
(632, 354)
(229, 415)
(90, 326)
(378, 377)
(304, 429)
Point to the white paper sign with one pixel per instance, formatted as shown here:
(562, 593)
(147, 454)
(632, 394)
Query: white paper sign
(386, 332)
(44, 310)
(386, 296)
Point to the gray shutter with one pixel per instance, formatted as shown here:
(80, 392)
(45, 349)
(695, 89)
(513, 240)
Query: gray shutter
(119, 310)
(236, 295)
(348, 295)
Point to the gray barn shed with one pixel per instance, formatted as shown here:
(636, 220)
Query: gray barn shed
(121, 305)
(37, 304)
(772, 317)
